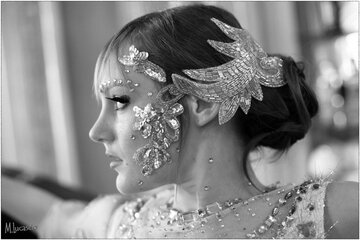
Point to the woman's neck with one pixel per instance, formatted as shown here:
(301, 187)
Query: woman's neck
(211, 172)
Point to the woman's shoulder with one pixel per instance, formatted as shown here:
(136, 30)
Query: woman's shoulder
(301, 214)
(342, 209)
(323, 209)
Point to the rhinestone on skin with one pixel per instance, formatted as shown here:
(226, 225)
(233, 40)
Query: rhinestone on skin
(159, 123)
(140, 63)
(116, 82)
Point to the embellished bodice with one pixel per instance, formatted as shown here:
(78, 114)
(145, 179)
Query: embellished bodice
(288, 212)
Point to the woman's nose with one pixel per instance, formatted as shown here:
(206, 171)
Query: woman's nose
(101, 132)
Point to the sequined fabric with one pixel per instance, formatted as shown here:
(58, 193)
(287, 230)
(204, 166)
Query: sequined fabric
(309, 218)
(140, 63)
(158, 122)
(235, 82)
(151, 217)
(161, 125)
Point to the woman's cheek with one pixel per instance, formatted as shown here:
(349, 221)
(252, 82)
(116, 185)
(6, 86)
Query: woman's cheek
(129, 140)
(124, 131)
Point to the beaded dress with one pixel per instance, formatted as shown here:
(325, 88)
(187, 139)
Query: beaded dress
(291, 212)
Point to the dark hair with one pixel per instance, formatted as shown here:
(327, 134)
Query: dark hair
(284, 116)
(176, 39)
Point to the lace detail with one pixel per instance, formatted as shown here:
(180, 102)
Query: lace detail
(309, 217)
(110, 217)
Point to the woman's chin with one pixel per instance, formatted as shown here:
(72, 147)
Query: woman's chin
(127, 186)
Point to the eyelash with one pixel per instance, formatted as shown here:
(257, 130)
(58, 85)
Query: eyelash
(120, 102)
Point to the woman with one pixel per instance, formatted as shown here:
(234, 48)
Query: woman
(186, 94)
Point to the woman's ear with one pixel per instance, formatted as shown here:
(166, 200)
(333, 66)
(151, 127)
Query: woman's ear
(203, 112)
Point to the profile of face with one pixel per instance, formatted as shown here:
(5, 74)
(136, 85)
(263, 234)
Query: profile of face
(114, 127)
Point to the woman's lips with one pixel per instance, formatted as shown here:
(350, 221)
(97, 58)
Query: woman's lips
(115, 164)
(115, 161)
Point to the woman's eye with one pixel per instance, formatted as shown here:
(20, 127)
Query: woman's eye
(120, 102)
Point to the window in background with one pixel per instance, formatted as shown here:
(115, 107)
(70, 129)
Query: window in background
(37, 128)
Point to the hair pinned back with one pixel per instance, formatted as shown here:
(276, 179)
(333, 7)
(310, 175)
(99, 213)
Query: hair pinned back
(177, 39)
(286, 118)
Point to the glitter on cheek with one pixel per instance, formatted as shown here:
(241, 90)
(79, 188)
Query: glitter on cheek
(157, 122)
(162, 128)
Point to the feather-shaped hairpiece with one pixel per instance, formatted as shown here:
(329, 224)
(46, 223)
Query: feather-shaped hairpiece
(235, 82)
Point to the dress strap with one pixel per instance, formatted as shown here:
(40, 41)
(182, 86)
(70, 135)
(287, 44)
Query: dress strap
(309, 215)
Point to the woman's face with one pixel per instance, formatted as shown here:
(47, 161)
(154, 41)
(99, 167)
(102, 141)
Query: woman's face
(114, 128)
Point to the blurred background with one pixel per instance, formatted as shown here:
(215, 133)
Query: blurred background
(48, 55)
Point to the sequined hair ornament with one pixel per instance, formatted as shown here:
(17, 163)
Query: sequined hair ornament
(234, 83)
(156, 121)
(138, 60)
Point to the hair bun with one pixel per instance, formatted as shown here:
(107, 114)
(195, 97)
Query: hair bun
(284, 115)
(285, 136)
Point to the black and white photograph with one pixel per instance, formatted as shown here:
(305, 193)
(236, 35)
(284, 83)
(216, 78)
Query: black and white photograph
(180, 119)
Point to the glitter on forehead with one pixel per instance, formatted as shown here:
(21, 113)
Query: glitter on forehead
(116, 76)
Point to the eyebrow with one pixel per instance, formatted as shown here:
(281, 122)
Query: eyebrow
(107, 85)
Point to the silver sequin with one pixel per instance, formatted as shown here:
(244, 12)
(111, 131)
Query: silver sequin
(140, 63)
(159, 123)
(234, 83)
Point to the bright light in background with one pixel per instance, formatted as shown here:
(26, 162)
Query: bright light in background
(347, 49)
(337, 158)
(340, 119)
(351, 48)
(323, 161)
(337, 101)
(329, 73)
(349, 16)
